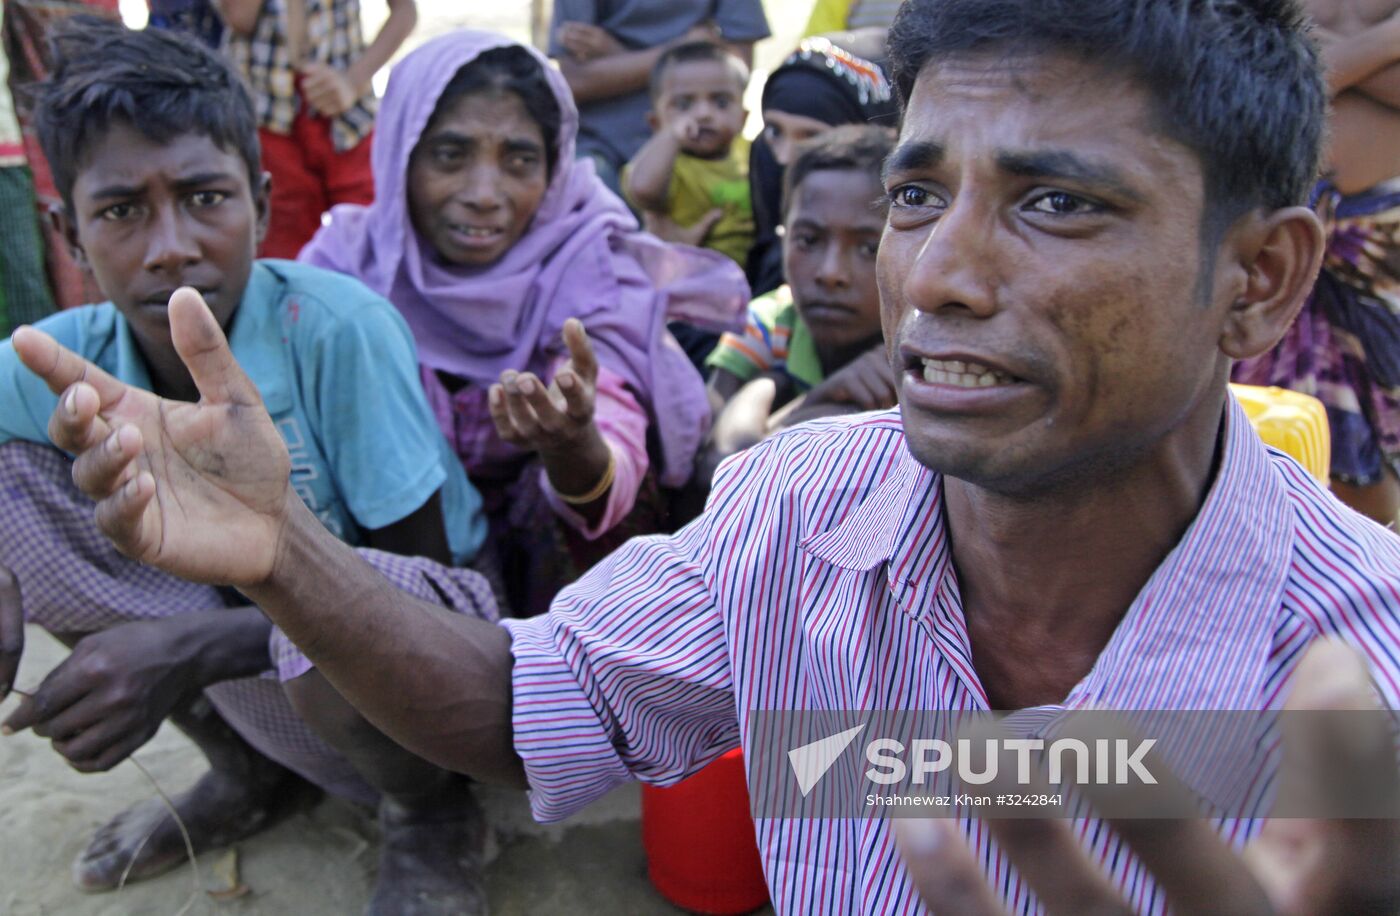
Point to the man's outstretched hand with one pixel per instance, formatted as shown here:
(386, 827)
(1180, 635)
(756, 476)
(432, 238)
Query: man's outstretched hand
(199, 490)
(1299, 867)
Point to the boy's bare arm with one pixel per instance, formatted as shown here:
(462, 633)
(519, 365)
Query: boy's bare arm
(649, 172)
(403, 16)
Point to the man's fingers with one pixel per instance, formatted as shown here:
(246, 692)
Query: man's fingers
(59, 690)
(204, 350)
(1196, 869)
(75, 424)
(98, 748)
(1339, 757)
(100, 471)
(124, 519)
(581, 351)
(1053, 863)
(943, 869)
(11, 630)
(61, 368)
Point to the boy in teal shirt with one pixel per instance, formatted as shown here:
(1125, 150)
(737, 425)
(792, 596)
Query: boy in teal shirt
(154, 149)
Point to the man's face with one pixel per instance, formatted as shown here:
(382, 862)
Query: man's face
(1039, 273)
(151, 217)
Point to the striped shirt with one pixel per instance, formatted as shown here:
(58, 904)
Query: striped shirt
(820, 577)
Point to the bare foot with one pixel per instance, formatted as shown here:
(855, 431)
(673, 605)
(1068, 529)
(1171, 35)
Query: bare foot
(217, 810)
(430, 859)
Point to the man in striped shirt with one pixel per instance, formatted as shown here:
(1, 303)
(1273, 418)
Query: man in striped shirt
(1092, 215)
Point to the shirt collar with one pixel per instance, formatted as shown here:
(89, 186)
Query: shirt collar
(1196, 636)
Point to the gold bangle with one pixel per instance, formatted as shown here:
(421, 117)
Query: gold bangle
(599, 488)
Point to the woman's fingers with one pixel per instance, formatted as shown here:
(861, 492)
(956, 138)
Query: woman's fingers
(585, 362)
(549, 416)
(578, 397)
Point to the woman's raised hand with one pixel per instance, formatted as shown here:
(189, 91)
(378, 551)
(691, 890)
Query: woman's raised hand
(198, 490)
(555, 419)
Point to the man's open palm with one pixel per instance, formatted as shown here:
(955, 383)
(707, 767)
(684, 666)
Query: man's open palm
(199, 490)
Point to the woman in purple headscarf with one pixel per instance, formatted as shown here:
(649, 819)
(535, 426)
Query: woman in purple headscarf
(538, 307)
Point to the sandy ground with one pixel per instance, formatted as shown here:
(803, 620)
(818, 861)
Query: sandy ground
(320, 862)
(317, 863)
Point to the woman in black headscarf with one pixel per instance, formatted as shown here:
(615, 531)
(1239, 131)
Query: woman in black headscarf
(827, 81)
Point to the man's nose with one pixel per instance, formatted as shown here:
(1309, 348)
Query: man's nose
(170, 246)
(954, 267)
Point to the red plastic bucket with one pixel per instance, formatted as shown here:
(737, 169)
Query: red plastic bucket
(699, 838)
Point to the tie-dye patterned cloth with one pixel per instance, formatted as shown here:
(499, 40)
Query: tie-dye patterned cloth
(1344, 349)
(73, 581)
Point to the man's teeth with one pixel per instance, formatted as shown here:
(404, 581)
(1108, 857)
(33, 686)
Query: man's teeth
(475, 232)
(963, 375)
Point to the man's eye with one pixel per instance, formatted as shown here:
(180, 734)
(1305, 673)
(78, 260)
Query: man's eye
(208, 198)
(1060, 203)
(773, 131)
(869, 249)
(910, 195)
(118, 212)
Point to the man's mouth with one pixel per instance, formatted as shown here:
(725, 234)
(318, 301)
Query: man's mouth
(961, 374)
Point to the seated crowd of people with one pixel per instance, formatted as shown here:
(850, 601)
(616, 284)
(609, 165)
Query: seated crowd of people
(505, 319)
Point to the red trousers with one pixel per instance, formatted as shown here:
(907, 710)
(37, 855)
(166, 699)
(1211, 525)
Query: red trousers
(308, 178)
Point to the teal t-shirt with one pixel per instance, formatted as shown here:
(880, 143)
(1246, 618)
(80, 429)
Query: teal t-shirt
(338, 371)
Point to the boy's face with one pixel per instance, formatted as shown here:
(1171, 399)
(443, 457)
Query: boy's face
(701, 103)
(831, 237)
(149, 217)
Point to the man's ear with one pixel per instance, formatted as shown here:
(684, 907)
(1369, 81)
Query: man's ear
(262, 203)
(61, 220)
(653, 122)
(1282, 253)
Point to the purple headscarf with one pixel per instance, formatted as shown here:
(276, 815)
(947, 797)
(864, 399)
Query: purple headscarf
(581, 257)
